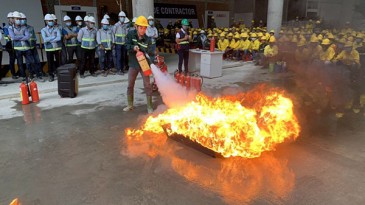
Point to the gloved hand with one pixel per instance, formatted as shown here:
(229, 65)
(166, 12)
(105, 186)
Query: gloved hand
(136, 48)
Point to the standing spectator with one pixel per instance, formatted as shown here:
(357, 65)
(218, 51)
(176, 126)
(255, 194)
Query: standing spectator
(33, 48)
(120, 32)
(70, 38)
(87, 37)
(9, 45)
(20, 36)
(170, 26)
(153, 34)
(77, 28)
(212, 23)
(52, 44)
(63, 58)
(182, 39)
(105, 40)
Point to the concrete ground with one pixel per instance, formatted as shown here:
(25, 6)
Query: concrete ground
(74, 151)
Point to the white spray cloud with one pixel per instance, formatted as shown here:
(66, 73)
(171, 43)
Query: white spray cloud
(173, 94)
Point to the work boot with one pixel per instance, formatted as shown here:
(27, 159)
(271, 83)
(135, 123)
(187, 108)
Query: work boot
(149, 105)
(130, 104)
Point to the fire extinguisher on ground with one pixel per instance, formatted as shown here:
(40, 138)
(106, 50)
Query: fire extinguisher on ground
(34, 91)
(212, 44)
(24, 97)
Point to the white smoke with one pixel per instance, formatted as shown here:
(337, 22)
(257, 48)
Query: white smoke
(172, 93)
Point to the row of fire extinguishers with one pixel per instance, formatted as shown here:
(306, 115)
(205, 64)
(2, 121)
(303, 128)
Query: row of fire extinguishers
(29, 91)
(191, 82)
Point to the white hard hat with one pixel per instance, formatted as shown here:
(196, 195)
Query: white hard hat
(106, 16)
(121, 13)
(134, 19)
(78, 18)
(150, 17)
(10, 15)
(202, 31)
(54, 17)
(66, 18)
(126, 20)
(105, 21)
(16, 14)
(48, 17)
(23, 16)
(91, 19)
(86, 18)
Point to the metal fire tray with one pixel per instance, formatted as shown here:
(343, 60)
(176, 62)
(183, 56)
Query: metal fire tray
(189, 143)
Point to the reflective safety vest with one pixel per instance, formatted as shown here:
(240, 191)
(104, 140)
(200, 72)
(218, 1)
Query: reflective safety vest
(33, 38)
(105, 38)
(120, 32)
(151, 32)
(183, 44)
(51, 46)
(88, 38)
(72, 41)
(20, 45)
(6, 33)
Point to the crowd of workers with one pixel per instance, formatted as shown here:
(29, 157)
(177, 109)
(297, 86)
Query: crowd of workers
(305, 48)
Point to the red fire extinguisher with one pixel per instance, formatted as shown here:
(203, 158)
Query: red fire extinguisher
(143, 63)
(177, 76)
(212, 44)
(188, 82)
(24, 93)
(196, 83)
(182, 79)
(34, 91)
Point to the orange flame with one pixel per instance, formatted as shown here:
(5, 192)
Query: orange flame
(245, 125)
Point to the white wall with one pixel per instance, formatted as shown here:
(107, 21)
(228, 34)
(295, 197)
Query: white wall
(31, 8)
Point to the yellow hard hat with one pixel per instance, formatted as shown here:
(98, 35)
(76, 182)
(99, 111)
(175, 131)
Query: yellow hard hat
(290, 32)
(272, 39)
(281, 31)
(301, 42)
(215, 34)
(330, 36)
(237, 36)
(141, 21)
(294, 39)
(263, 38)
(210, 35)
(260, 34)
(272, 31)
(222, 34)
(348, 44)
(326, 41)
(225, 29)
(360, 35)
(230, 35)
(320, 36)
(253, 35)
(244, 35)
(350, 38)
(314, 39)
(195, 33)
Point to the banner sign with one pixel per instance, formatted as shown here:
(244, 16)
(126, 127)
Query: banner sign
(175, 11)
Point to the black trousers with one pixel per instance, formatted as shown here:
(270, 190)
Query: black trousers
(53, 59)
(87, 58)
(183, 56)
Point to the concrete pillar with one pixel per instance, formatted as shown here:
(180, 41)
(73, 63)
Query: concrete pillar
(143, 8)
(275, 15)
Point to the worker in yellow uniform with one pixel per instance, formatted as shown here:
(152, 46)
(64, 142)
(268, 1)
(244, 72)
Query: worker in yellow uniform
(315, 50)
(328, 53)
(255, 45)
(270, 53)
(350, 59)
(228, 52)
(222, 42)
(244, 47)
(236, 46)
(302, 53)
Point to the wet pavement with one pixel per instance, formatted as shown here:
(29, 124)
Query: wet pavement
(61, 156)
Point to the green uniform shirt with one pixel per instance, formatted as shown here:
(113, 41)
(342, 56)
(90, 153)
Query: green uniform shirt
(144, 45)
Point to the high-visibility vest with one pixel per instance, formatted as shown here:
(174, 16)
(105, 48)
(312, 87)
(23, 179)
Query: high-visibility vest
(105, 37)
(52, 46)
(88, 40)
(120, 31)
(20, 45)
(72, 41)
(33, 38)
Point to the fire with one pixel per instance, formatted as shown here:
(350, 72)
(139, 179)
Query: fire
(245, 125)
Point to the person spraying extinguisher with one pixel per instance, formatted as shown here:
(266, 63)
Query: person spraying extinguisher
(138, 46)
